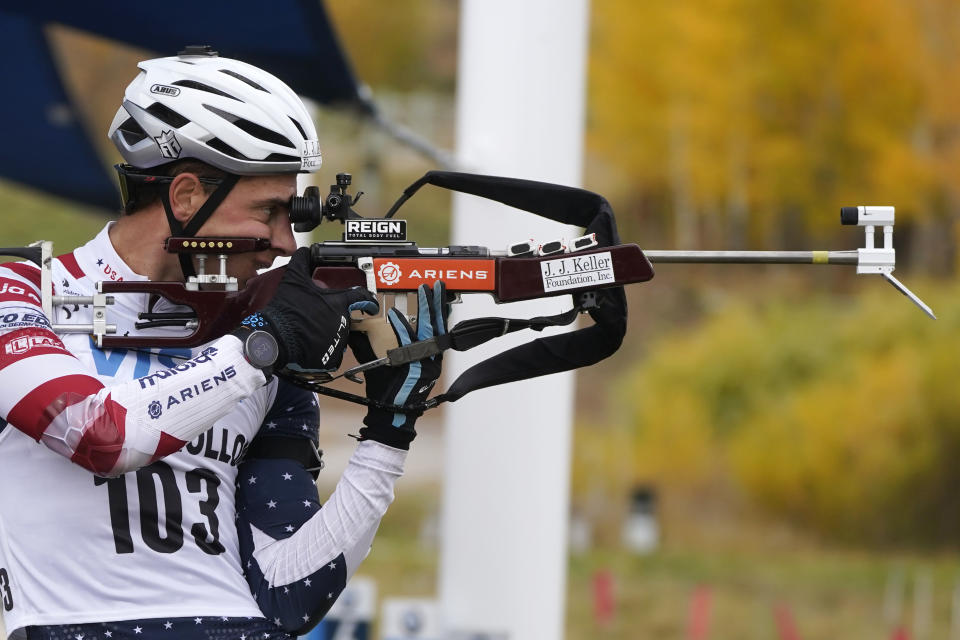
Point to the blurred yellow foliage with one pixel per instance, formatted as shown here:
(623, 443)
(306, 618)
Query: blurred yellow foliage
(407, 46)
(843, 418)
(744, 121)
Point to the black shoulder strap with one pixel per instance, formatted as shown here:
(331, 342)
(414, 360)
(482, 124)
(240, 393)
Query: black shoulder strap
(544, 355)
(549, 354)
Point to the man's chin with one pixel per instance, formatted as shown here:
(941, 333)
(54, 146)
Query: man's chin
(252, 272)
(243, 278)
(242, 281)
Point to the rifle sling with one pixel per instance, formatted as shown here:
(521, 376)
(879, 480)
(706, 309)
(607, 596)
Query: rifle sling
(546, 354)
(492, 371)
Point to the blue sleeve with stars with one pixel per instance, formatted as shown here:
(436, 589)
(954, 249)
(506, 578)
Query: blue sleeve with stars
(275, 498)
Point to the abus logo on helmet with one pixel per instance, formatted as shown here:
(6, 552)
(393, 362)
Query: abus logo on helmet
(165, 90)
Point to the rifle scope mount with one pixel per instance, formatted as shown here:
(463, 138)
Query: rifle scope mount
(309, 210)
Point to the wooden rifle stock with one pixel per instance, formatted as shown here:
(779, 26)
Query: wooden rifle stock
(507, 279)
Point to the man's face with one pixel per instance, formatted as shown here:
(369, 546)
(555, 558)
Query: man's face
(257, 207)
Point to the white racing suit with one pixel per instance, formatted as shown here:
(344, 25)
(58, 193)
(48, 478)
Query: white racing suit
(132, 490)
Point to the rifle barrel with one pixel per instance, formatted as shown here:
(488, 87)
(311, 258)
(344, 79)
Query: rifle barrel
(752, 257)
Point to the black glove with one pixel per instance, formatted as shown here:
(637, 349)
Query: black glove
(309, 323)
(407, 385)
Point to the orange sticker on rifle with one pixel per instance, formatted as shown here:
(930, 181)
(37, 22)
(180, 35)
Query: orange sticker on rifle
(459, 275)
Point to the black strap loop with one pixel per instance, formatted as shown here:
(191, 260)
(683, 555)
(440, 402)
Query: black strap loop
(468, 334)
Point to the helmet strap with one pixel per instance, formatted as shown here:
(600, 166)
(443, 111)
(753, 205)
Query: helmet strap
(203, 214)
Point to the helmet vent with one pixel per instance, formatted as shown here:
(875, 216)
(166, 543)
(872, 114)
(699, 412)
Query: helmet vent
(280, 157)
(252, 128)
(264, 134)
(299, 128)
(243, 78)
(131, 131)
(193, 84)
(167, 115)
(224, 148)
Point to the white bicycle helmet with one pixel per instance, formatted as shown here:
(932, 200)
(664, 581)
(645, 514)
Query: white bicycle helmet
(224, 112)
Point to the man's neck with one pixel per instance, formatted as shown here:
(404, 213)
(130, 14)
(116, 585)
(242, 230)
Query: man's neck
(138, 240)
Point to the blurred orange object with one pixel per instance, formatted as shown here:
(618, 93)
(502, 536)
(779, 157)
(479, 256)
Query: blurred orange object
(603, 600)
(698, 624)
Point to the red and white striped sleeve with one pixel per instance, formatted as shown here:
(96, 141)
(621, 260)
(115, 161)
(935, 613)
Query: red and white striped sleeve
(49, 395)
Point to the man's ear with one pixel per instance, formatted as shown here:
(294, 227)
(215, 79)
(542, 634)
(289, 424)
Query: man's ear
(186, 196)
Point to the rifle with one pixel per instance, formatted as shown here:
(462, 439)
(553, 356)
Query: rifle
(375, 253)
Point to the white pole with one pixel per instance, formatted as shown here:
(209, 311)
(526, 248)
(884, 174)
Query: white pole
(955, 612)
(893, 598)
(922, 604)
(505, 511)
